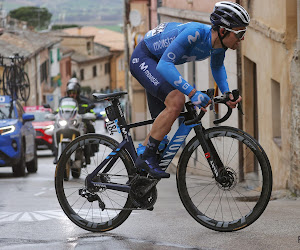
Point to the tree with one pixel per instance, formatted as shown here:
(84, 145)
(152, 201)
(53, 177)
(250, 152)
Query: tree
(37, 17)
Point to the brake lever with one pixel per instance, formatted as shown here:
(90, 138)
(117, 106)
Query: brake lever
(236, 94)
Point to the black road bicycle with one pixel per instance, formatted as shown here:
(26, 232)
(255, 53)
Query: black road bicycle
(15, 79)
(224, 177)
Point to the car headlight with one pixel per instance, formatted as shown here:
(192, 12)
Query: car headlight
(62, 123)
(7, 129)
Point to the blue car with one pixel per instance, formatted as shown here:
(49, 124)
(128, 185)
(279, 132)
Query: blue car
(17, 138)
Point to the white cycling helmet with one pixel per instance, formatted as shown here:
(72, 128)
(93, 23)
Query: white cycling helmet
(230, 15)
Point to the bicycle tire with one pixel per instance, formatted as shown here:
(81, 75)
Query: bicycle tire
(207, 201)
(6, 81)
(24, 86)
(11, 83)
(79, 210)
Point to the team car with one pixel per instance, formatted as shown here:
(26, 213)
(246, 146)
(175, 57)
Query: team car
(17, 138)
(43, 127)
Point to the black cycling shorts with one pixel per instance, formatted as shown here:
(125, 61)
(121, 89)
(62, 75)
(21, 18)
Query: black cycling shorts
(143, 67)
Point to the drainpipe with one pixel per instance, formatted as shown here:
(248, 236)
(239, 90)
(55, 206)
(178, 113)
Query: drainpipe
(298, 25)
(126, 55)
(239, 78)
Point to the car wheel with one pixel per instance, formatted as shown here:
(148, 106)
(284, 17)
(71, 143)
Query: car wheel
(32, 166)
(19, 167)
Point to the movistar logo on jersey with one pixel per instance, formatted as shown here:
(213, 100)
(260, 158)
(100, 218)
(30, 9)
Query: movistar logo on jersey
(178, 82)
(181, 83)
(163, 43)
(144, 67)
(193, 38)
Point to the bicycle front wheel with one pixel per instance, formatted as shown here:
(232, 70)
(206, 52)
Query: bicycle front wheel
(240, 200)
(85, 211)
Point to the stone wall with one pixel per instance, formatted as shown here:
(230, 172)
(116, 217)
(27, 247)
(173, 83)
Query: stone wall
(294, 182)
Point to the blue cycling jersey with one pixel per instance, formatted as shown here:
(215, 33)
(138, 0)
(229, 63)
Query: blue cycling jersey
(177, 43)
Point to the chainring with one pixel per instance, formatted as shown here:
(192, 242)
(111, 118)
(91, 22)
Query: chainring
(139, 200)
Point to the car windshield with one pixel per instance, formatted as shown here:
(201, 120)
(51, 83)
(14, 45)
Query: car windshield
(5, 110)
(39, 116)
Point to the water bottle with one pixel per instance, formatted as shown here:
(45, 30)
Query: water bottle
(163, 144)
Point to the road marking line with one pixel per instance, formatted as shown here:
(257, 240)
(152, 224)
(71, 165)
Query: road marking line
(10, 217)
(37, 194)
(26, 217)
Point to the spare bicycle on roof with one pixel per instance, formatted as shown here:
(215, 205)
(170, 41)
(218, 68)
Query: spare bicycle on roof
(15, 81)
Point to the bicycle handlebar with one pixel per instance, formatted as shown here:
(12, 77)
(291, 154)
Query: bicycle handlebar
(218, 99)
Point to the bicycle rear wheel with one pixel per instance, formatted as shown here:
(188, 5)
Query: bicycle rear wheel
(85, 214)
(24, 86)
(239, 202)
(6, 78)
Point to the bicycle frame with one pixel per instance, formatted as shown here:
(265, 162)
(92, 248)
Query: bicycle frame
(167, 156)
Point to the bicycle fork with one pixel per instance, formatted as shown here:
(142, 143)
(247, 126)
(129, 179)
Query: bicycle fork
(211, 154)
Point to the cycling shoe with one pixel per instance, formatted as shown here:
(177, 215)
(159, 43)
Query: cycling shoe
(150, 165)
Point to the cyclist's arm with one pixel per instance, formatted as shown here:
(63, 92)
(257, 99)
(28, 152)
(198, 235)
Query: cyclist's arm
(175, 51)
(219, 72)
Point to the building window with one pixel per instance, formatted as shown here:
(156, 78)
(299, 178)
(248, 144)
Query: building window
(121, 64)
(107, 68)
(58, 55)
(94, 71)
(44, 71)
(88, 47)
(51, 57)
(68, 68)
(276, 114)
(82, 74)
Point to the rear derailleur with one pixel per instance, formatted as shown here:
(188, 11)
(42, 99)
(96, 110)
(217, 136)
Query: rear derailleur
(91, 197)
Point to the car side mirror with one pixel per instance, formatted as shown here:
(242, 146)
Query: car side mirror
(27, 117)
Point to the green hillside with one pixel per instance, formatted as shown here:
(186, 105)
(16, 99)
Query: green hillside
(93, 12)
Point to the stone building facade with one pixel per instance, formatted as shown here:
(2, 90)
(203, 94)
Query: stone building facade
(270, 71)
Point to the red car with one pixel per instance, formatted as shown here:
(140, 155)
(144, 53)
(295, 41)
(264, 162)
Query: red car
(42, 126)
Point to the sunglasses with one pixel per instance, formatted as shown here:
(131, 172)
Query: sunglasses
(238, 33)
(72, 92)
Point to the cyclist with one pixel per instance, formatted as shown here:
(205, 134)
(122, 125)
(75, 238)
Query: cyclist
(153, 65)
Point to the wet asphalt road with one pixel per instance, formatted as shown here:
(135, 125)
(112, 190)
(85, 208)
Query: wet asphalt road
(31, 218)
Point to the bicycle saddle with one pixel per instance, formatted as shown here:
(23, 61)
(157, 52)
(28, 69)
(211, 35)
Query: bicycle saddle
(110, 96)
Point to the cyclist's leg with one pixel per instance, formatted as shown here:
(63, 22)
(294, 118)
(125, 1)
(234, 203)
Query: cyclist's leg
(143, 68)
(155, 105)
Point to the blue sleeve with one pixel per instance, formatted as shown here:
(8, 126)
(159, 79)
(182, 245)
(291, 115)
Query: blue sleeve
(175, 51)
(219, 72)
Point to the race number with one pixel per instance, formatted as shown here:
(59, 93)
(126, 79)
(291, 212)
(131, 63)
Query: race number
(112, 127)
